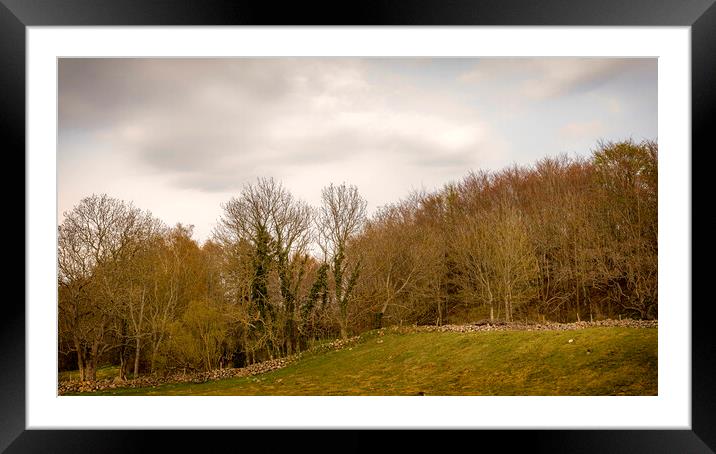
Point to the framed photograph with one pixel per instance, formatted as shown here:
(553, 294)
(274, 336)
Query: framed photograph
(409, 217)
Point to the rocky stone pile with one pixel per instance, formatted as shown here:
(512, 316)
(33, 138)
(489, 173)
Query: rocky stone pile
(76, 386)
(337, 344)
(526, 326)
(147, 381)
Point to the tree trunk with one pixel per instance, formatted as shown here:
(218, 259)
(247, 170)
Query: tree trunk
(153, 362)
(90, 372)
(90, 369)
(122, 366)
(80, 360)
(91, 363)
(136, 359)
(381, 314)
(380, 319)
(440, 318)
(123, 363)
(81, 363)
(291, 337)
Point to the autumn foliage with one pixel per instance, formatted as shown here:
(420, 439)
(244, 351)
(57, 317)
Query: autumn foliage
(564, 239)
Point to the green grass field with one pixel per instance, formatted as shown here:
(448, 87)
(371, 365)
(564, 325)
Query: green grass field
(599, 361)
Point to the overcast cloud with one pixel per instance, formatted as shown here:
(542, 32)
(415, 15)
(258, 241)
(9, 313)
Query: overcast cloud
(181, 136)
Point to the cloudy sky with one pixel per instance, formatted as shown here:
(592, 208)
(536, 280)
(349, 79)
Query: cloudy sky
(181, 136)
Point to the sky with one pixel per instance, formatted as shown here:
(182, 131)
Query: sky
(179, 137)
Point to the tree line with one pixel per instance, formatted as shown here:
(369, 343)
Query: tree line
(564, 239)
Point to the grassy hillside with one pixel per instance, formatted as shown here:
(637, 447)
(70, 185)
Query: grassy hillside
(598, 361)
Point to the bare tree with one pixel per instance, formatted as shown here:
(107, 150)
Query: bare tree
(397, 259)
(277, 228)
(95, 242)
(557, 239)
(626, 173)
(340, 217)
(471, 244)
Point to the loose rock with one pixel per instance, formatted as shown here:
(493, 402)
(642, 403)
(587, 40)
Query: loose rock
(76, 386)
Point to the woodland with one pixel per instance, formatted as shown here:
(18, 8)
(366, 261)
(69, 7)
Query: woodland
(564, 239)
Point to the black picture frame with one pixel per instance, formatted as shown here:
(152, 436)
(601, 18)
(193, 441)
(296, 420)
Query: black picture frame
(700, 15)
